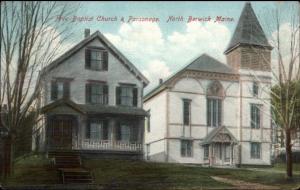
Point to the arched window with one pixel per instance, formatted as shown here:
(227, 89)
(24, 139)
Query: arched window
(215, 94)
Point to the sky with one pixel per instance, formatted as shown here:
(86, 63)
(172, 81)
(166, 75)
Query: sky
(159, 48)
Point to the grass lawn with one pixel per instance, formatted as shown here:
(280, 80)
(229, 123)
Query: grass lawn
(129, 174)
(125, 174)
(33, 170)
(145, 175)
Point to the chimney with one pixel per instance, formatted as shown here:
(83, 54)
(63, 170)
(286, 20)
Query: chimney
(87, 32)
(160, 81)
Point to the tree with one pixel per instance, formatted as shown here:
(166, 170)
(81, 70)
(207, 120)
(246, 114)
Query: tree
(31, 37)
(286, 70)
(295, 88)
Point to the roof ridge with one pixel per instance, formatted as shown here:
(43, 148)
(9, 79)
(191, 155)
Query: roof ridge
(186, 68)
(217, 60)
(124, 60)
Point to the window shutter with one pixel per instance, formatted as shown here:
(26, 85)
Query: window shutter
(118, 95)
(53, 90)
(105, 93)
(87, 58)
(88, 129)
(135, 96)
(88, 93)
(105, 60)
(66, 90)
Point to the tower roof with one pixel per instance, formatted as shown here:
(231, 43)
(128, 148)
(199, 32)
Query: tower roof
(248, 31)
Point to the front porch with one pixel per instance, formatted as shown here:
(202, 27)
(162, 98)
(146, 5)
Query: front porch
(88, 144)
(106, 128)
(221, 154)
(220, 148)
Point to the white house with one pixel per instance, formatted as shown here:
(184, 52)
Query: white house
(214, 113)
(92, 101)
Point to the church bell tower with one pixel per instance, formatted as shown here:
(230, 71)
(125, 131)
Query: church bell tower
(249, 47)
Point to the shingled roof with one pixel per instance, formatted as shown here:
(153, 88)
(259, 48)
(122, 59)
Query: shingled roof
(248, 31)
(204, 63)
(94, 108)
(210, 64)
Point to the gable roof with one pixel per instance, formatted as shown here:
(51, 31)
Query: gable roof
(218, 130)
(209, 64)
(248, 31)
(204, 63)
(98, 35)
(62, 102)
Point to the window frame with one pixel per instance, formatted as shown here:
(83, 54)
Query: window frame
(257, 152)
(130, 98)
(103, 60)
(255, 89)
(186, 111)
(186, 148)
(214, 112)
(127, 97)
(256, 123)
(55, 94)
(103, 96)
(205, 152)
(103, 131)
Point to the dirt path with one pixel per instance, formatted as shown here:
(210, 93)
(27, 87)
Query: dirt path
(243, 184)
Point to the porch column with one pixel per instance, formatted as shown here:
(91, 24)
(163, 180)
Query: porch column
(231, 154)
(140, 131)
(140, 128)
(210, 154)
(82, 130)
(112, 128)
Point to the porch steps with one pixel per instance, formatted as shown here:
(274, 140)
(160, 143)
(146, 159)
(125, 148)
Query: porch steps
(76, 175)
(69, 165)
(68, 161)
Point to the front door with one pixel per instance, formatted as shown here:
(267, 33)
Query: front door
(61, 132)
(222, 153)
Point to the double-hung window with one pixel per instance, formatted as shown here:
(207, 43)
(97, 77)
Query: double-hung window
(126, 95)
(186, 148)
(214, 112)
(186, 111)
(96, 59)
(60, 88)
(255, 89)
(255, 150)
(206, 152)
(255, 116)
(96, 93)
(97, 129)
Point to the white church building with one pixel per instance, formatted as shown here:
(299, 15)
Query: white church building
(213, 113)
